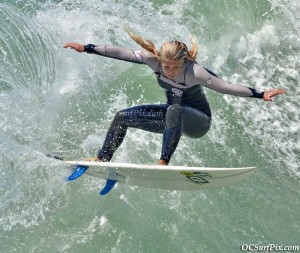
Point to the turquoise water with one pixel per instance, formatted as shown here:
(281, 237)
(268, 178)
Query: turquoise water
(54, 100)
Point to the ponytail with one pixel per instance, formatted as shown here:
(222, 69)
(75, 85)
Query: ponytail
(170, 51)
(192, 54)
(146, 44)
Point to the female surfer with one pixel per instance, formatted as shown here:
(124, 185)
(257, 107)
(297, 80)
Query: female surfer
(186, 111)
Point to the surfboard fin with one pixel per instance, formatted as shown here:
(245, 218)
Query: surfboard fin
(108, 186)
(79, 171)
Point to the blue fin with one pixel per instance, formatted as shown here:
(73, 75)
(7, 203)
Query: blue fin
(80, 169)
(108, 186)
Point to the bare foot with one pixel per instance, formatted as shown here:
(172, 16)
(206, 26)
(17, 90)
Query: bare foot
(93, 159)
(162, 162)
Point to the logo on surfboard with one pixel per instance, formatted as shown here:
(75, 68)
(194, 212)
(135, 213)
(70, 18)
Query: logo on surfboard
(197, 177)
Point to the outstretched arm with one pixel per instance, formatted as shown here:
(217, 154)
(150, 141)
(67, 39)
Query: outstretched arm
(206, 78)
(120, 53)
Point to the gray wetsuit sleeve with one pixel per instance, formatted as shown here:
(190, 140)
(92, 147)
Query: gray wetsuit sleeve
(129, 55)
(199, 75)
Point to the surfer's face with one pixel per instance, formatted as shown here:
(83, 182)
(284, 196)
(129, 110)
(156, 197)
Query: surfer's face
(171, 68)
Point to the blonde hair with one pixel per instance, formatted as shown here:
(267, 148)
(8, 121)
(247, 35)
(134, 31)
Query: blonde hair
(169, 51)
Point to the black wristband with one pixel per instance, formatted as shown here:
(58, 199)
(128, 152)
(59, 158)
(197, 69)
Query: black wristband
(256, 94)
(89, 48)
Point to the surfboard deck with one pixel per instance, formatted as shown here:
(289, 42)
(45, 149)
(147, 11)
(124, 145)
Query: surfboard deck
(162, 177)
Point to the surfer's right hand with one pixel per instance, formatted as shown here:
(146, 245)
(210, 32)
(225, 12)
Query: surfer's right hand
(78, 47)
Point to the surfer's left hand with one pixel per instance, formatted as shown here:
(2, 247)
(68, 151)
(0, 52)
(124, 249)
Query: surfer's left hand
(272, 93)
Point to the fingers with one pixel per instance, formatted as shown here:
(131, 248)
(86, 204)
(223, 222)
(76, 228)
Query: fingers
(276, 92)
(75, 46)
(272, 93)
(72, 45)
(67, 45)
(280, 91)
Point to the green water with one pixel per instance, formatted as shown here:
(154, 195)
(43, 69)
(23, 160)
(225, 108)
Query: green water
(54, 100)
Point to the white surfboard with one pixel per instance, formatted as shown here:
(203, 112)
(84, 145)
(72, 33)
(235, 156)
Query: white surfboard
(163, 177)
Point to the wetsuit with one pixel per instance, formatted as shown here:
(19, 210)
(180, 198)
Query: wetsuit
(186, 111)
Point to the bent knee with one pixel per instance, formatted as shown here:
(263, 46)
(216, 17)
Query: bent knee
(196, 132)
(174, 116)
(175, 108)
(174, 111)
